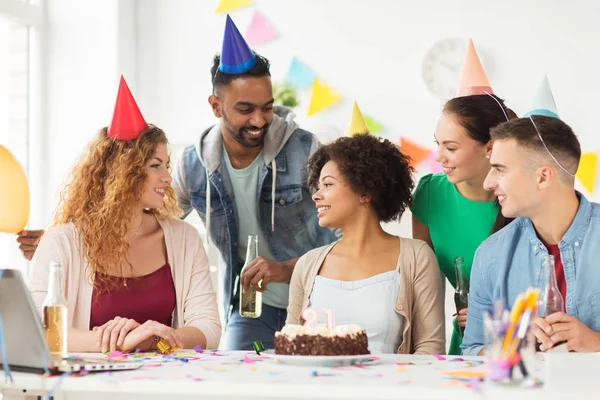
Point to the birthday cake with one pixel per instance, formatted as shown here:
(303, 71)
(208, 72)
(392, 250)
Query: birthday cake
(318, 340)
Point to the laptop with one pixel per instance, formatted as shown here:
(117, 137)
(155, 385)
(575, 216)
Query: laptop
(24, 339)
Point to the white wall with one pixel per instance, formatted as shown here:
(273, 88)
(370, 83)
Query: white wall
(86, 45)
(373, 54)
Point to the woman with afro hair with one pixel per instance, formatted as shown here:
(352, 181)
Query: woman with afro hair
(388, 285)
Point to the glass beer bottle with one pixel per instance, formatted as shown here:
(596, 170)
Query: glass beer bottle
(55, 314)
(461, 296)
(551, 300)
(251, 301)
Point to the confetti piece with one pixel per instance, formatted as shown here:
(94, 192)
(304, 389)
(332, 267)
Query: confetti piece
(463, 375)
(457, 359)
(198, 349)
(475, 384)
(401, 368)
(316, 374)
(152, 365)
(195, 379)
(115, 354)
(247, 360)
(183, 359)
(441, 358)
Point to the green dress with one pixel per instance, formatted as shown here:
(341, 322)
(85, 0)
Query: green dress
(457, 226)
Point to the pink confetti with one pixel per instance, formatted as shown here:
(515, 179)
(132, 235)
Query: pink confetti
(475, 384)
(152, 365)
(457, 359)
(115, 354)
(195, 379)
(441, 358)
(247, 360)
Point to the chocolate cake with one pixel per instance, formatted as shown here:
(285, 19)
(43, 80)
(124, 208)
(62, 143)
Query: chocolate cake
(343, 340)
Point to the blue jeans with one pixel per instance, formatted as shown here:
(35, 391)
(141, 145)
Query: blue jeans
(241, 332)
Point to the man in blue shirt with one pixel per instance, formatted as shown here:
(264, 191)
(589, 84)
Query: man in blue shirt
(533, 166)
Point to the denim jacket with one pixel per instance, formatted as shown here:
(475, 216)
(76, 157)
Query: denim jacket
(515, 254)
(287, 214)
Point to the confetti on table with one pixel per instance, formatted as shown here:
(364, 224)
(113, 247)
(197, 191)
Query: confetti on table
(198, 349)
(441, 358)
(116, 354)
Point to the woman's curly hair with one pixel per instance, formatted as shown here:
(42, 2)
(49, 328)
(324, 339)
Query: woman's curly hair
(103, 189)
(372, 167)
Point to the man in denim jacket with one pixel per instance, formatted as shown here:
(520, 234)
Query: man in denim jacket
(254, 159)
(533, 162)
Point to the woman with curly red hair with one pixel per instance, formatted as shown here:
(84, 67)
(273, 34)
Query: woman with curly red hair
(388, 285)
(132, 271)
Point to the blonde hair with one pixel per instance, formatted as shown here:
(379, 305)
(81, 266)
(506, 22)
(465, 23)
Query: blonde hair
(104, 187)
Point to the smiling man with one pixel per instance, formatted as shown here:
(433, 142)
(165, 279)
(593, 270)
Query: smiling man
(534, 161)
(249, 172)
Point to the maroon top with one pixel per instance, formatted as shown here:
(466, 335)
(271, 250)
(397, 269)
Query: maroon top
(149, 297)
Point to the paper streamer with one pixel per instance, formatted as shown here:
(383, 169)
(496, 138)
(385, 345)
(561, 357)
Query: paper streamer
(260, 30)
(322, 97)
(226, 6)
(586, 173)
(299, 75)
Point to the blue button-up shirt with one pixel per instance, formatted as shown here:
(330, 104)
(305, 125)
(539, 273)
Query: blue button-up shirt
(515, 254)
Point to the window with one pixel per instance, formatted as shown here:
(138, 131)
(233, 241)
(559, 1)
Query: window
(14, 107)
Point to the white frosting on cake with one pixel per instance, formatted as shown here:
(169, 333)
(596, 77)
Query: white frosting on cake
(292, 330)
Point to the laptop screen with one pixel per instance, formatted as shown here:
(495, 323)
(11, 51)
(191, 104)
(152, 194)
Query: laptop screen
(24, 339)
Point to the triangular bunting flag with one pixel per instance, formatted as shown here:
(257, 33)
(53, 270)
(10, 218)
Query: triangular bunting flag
(586, 173)
(434, 166)
(322, 97)
(226, 6)
(417, 153)
(299, 75)
(373, 125)
(357, 123)
(260, 30)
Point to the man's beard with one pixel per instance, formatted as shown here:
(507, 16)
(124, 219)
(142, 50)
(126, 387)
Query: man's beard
(240, 135)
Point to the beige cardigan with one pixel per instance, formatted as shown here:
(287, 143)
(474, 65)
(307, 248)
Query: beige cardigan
(420, 298)
(196, 298)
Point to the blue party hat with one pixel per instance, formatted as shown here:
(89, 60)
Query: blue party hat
(543, 102)
(236, 55)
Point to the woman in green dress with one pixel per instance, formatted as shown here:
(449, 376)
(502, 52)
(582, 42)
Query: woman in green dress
(451, 210)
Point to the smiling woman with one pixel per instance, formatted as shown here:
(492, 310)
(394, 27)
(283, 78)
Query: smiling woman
(133, 270)
(452, 211)
(362, 181)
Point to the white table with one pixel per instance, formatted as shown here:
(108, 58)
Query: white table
(227, 376)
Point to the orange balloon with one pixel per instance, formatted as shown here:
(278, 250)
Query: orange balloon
(14, 196)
